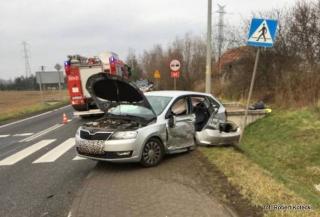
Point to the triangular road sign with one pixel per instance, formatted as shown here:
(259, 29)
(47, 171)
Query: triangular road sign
(262, 32)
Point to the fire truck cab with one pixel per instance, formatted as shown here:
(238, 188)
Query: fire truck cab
(78, 69)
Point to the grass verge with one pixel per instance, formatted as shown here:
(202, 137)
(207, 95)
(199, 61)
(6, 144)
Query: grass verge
(279, 162)
(19, 104)
(30, 110)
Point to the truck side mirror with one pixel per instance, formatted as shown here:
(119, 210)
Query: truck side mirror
(129, 71)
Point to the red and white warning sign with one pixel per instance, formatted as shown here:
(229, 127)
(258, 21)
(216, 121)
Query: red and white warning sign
(175, 74)
(175, 67)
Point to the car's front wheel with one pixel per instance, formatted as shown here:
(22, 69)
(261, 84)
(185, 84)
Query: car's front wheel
(152, 153)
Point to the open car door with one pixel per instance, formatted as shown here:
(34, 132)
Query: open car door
(210, 128)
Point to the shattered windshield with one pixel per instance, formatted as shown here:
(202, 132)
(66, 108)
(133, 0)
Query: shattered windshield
(158, 103)
(132, 110)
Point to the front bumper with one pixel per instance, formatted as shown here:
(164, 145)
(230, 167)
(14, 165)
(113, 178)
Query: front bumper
(122, 150)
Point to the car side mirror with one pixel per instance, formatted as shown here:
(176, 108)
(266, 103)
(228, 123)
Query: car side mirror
(172, 121)
(215, 110)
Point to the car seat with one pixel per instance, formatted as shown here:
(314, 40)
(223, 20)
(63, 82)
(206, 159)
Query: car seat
(202, 115)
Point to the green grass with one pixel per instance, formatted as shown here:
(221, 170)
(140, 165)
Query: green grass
(33, 109)
(279, 161)
(287, 144)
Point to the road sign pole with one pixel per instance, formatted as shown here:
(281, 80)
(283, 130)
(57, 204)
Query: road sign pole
(250, 91)
(40, 85)
(174, 83)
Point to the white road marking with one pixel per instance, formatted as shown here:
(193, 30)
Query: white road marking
(16, 122)
(55, 153)
(41, 133)
(25, 152)
(4, 136)
(79, 158)
(23, 134)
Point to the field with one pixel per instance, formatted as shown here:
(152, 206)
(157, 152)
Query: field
(15, 104)
(278, 161)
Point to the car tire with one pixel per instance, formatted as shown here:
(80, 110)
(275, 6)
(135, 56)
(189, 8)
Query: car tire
(152, 153)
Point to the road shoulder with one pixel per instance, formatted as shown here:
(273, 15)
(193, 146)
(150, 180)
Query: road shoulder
(27, 114)
(182, 185)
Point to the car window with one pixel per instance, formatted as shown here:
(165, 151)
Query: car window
(132, 110)
(213, 102)
(196, 101)
(158, 103)
(180, 107)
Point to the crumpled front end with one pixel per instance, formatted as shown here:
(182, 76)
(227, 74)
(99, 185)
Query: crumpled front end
(113, 142)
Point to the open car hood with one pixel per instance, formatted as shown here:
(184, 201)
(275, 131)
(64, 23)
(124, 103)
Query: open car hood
(110, 91)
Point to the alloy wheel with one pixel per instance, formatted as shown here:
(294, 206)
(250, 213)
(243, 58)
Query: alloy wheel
(152, 153)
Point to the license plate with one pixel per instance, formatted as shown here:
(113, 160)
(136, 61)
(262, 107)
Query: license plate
(91, 147)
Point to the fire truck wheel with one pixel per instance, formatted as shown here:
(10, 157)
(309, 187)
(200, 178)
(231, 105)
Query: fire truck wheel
(85, 116)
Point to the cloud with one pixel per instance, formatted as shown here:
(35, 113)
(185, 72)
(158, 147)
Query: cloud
(56, 28)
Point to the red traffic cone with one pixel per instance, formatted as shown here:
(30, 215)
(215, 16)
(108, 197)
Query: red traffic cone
(64, 118)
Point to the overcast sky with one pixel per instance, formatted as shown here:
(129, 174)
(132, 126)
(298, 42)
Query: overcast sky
(56, 28)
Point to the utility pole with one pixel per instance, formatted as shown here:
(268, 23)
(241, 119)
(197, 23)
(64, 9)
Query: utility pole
(221, 13)
(209, 50)
(26, 59)
(40, 82)
(58, 67)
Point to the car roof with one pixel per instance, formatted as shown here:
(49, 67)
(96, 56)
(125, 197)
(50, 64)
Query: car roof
(174, 93)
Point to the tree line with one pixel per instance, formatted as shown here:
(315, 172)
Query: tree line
(20, 83)
(288, 73)
(23, 82)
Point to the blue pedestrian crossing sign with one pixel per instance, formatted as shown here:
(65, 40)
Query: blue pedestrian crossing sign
(262, 32)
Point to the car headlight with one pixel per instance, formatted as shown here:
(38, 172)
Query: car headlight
(125, 135)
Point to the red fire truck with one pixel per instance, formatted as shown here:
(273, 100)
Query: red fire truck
(78, 69)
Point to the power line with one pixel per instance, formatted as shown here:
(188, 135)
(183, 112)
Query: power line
(26, 58)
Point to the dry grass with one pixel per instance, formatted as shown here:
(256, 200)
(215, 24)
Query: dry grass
(18, 103)
(255, 183)
(279, 162)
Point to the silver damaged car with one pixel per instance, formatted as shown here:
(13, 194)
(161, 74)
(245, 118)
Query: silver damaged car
(143, 127)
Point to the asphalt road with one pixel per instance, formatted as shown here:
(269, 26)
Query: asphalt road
(45, 187)
(41, 176)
